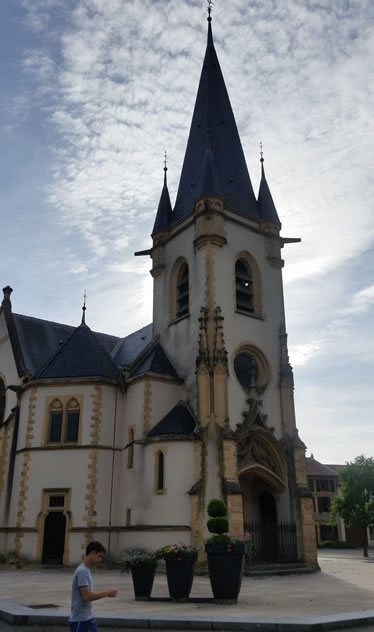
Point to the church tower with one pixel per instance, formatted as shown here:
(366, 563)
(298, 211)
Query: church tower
(218, 311)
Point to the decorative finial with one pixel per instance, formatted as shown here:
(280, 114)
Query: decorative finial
(210, 4)
(165, 168)
(261, 153)
(84, 308)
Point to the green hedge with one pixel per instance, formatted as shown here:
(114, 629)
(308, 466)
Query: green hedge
(337, 544)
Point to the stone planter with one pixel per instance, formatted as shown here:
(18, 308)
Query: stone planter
(142, 578)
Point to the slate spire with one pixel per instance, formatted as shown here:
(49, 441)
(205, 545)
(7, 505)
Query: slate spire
(162, 220)
(81, 355)
(213, 115)
(265, 201)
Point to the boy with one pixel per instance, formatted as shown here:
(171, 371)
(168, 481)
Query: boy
(82, 595)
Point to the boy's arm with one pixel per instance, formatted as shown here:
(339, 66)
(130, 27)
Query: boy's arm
(94, 596)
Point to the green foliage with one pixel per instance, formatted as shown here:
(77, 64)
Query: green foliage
(355, 505)
(218, 525)
(337, 544)
(217, 508)
(223, 539)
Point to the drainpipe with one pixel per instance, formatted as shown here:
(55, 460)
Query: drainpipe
(112, 475)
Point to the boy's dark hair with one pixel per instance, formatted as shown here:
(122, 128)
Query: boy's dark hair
(95, 546)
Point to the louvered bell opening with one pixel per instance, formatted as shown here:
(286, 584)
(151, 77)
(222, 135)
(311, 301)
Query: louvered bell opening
(182, 292)
(244, 288)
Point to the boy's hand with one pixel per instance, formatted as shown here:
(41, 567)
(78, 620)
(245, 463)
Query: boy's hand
(112, 592)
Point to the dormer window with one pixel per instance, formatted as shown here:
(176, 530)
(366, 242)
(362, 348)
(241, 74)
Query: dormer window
(182, 291)
(244, 287)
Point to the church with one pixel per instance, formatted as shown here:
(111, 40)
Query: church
(125, 440)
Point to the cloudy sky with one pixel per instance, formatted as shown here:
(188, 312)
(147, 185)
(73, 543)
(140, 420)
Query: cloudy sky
(93, 92)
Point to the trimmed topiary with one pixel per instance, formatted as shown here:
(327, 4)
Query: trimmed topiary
(217, 508)
(218, 525)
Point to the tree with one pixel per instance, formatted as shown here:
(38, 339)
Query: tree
(355, 505)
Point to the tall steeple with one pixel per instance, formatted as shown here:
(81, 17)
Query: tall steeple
(164, 207)
(265, 201)
(213, 130)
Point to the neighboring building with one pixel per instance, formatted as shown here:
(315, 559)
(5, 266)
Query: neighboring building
(203, 397)
(323, 483)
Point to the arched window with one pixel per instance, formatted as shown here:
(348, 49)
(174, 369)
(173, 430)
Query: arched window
(63, 422)
(182, 291)
(160, 472)
(244, 287)
(72, 421)
(56, 414)
(2, 400)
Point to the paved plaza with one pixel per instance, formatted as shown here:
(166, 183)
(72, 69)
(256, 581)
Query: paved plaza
(344, 585)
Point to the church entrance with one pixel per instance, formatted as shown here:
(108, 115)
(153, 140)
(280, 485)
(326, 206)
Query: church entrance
(54, 538)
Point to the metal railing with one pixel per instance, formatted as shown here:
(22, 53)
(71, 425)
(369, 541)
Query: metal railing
(272, 542)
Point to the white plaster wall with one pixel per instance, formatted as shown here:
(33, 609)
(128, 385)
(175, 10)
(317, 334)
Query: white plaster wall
(8, 373)
(180, 340)
(109, 404)
(240, 329)
(148, 508)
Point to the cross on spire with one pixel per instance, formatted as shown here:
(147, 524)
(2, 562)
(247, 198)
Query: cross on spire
(84, 308)
(210, 4)
(261, 153)
(165, 167)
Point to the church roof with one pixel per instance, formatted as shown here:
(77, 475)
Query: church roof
(41, 339)
(154, 361)
(81, 355)
(179, 420)
(265, 201)
(214, 129)
(128, 349)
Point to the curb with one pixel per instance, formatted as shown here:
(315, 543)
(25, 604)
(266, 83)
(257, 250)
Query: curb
(20, 618)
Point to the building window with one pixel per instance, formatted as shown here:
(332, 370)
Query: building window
(325, 485)
(324, 504)
(182, 291)
(244, 287)
(2, 400)
(63, 422)
(160, 472)
(130, 453)
(328, 533)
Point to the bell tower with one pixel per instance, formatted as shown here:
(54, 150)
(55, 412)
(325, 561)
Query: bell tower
(218, 310)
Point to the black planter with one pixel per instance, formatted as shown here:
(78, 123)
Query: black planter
(225, 571)
(179, 573)
(142, 578)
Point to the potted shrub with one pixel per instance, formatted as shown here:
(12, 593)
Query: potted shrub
(180, 565)
(225, 554)
(142, 565)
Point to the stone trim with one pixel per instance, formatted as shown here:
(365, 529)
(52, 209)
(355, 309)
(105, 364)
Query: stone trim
(91, 486)
(147, 406)
(68, 446)
(22, 499)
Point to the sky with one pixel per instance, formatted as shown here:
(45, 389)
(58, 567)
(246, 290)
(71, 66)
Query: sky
(94, 91)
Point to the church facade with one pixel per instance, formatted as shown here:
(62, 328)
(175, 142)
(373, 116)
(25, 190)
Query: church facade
(126, 440)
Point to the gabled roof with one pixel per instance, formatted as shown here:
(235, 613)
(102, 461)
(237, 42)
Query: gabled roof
(214, 129)
(179, 421)
(265, 201)
(80, 356)
(128, 349)
(155, 361)
(315, 468)
(41, 339)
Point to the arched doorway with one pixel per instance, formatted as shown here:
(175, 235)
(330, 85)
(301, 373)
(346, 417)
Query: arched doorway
(54, 538)
(268, 516)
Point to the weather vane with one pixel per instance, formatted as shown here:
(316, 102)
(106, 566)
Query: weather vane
(210, 4)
